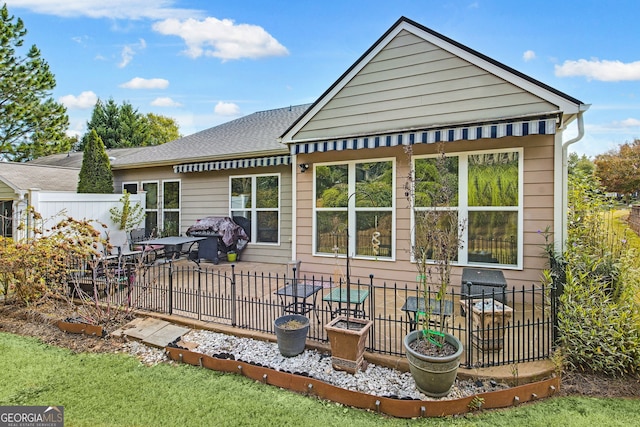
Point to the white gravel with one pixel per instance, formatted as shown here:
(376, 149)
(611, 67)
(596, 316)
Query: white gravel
(375, 380)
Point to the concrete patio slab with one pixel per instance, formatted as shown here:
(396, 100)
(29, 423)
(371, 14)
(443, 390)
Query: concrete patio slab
(151, 331)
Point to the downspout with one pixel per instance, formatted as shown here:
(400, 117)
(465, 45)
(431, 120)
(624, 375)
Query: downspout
(565, 178)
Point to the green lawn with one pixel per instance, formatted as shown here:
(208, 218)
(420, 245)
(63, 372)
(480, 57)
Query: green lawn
(116, 390)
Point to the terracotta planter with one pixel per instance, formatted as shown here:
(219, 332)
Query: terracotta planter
(434, 376)
(347, 344)
(291, 340)
(81, 328)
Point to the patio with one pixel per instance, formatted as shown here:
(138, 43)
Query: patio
(245, 295)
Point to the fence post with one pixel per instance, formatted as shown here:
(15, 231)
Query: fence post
(233, 295)
(170, 287)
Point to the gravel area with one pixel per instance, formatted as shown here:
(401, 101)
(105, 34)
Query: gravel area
(375, 380)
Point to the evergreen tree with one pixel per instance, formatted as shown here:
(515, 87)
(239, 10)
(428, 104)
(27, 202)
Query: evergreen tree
(121, 126)
(95, 174)
(28, 114)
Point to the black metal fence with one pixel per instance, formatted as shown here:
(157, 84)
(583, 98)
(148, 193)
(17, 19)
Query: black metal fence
(493, 334)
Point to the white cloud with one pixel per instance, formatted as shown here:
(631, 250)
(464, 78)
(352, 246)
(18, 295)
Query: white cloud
(165, 101)
(227, 109)
(222, 38)
(128, 52)
(140, 83)
(529, 55)
(112, 9)
(594, 69)
(86, 99)
(627, 123)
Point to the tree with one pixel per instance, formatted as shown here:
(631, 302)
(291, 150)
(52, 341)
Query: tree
(580, 165)
(95, 173)
(161, 129)
(619, 171)
(122, 126)
(28, 114)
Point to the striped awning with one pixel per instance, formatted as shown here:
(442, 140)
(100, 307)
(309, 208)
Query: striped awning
(254, 162)
(545, 126)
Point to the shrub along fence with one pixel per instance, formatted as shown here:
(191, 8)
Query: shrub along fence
(518, 331)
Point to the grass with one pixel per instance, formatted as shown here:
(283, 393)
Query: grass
(117, 390)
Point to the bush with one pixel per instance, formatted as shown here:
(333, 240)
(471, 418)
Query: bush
(599, 310)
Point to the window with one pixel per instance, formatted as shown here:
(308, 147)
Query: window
(487, 195)
(257, 198)
(171, 208)
(6, 218)
(151, 208)
(130, 187)
(354, 205)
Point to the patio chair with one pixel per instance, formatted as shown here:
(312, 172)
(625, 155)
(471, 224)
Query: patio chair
(149, 252)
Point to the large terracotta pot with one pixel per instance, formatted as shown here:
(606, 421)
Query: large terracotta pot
(434, 375)
(347, 344)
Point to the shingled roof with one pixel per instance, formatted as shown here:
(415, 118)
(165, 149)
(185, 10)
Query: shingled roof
(23, 176)
(253, 135)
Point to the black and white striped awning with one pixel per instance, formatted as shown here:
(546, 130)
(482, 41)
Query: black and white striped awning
(254, 162)
(545, 126)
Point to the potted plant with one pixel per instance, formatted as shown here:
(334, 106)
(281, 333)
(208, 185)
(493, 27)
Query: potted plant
(291, 334)
(347, 335)
(432, 352)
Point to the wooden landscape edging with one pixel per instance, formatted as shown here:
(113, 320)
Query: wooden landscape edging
(395, 407)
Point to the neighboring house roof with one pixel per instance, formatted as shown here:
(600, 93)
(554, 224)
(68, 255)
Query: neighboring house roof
(25, 176)
(253, 135)
(73, 159)
(414, 78)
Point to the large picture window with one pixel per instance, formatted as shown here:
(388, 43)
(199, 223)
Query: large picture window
(487, 195)
(354, 205)
(257, 198)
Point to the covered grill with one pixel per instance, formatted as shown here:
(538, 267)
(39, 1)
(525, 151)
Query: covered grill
(223, 234)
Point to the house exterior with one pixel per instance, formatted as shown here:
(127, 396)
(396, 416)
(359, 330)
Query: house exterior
(19, 181)
(322, 180)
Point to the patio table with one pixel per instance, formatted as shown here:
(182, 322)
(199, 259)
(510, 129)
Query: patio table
(414, 306)
(355, 297)
(297, 291)
(483, 283)
(173, 245)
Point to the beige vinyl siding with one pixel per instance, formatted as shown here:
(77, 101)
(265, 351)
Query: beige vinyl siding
(412, 84)
(207, 194)
(537, 211)
(6, 192)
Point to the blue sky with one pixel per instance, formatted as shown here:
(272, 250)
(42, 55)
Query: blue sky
(207, 62)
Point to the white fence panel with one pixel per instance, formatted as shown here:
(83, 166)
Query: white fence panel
(55, 206)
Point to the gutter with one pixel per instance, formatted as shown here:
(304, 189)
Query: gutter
(561, 240)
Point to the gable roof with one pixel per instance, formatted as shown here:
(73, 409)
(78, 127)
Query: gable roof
(253, 135)
(346, 109)
(73, 159)
(24, 176)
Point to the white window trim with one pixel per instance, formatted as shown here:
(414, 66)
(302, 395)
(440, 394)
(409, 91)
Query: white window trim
(157, 208)
(254, 210)
(351, 209)
(161, 207)
(125, 183)
(463, 208)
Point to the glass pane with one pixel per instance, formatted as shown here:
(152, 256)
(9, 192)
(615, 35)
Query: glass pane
(374, 184)
(266, 192)
(331, 232)
(437, 234)
(151, 223)
(267, 227)
(367, 243)
(240, 193)
(493, 237)
(131, 188)
(171, 224)
(171, 192)
(493, 179)
(436, 182)
(152, 194)
(332, 186)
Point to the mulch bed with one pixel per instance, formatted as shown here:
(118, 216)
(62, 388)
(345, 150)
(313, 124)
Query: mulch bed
(40, 322)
